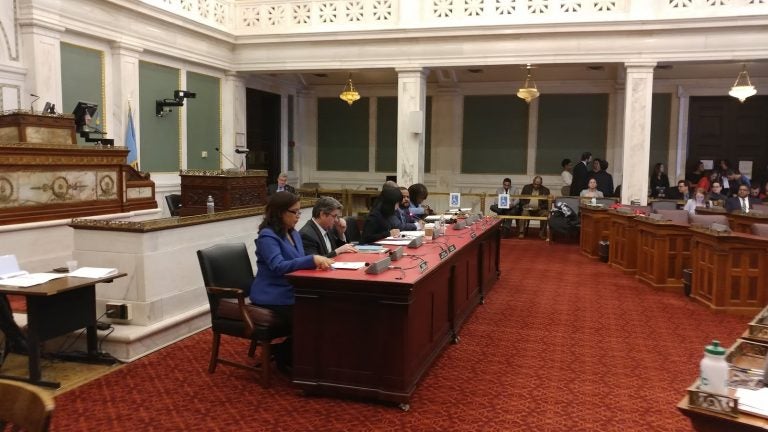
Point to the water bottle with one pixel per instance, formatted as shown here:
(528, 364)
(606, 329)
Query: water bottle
(714, 369)
(209, 206)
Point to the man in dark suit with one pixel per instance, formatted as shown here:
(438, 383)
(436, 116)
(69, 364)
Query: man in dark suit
(742, 202)
(682, 193)
(403, 216)
(324, 233)
(534, 206)
(581, 174)
(281, 185)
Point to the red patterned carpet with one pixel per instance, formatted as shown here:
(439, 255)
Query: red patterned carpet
(563, 343)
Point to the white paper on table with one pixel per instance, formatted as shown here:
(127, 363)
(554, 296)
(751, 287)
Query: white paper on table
(412, 233)
(31, 279)
(349, 265)
(395, 241)
(93, 272)
(753, 401)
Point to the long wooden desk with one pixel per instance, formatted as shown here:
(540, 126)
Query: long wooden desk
(56, 308)
(623, 237)
(664, 250)
(737, 220)
(594, 228)
(730, 271)
(375, 336)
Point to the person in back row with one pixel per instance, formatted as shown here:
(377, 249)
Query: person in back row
(659, 181)
(604, 180)
(506, 188)
(324, 233)
(534, 206)
(581, 174)
(681, 193)
(591, 191)
(281, 185)
(742, 202)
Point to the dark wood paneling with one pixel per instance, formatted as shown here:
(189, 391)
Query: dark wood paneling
(722, 127)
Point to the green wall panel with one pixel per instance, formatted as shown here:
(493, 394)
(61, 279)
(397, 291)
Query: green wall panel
(386, 134)
(495, 135)
(570, 124)
(342, 135)
(660, 115)
(159, 135)
(82, 79)
(203, 121)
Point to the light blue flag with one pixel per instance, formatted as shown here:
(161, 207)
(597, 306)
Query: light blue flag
(130, 142)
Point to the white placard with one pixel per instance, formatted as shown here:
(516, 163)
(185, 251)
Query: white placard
(503, 201)
(745, 168)
(454, 199)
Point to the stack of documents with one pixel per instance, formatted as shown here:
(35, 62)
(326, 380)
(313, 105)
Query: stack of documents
(31, 279)
(93, 272)
(371, 248)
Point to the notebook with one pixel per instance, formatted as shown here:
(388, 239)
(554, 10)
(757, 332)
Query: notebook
(93, 272)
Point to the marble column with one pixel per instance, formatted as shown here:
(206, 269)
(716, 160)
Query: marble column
(615, 151)
(411, 116)
(233, 120)
(306, 136)
(637, 131)
(447, 112)
(125, 87)
(676, 167)
(41, 42)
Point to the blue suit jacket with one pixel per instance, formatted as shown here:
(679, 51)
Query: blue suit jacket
(275, 257)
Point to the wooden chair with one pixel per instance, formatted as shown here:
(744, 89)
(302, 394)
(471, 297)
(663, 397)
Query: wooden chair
(24, 407)
(228, 275)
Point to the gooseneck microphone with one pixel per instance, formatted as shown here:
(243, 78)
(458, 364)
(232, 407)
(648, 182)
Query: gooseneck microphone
(226, 157)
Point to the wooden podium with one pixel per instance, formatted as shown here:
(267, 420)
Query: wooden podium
(44, 175)
(230, 190)
(594, 228)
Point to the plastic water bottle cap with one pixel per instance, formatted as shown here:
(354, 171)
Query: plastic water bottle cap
(715, 349)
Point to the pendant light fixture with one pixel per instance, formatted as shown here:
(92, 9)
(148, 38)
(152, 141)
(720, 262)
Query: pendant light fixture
(742, 88)
(349, 93)
(529, 91)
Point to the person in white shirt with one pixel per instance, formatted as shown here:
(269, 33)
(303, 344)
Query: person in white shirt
(566, 174)
(699, 200)
(506, 188)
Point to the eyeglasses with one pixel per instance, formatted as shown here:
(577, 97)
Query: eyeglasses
(296, 212)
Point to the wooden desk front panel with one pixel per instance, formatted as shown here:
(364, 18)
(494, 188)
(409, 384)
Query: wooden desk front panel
(623, 238)
(730, 273)
(594, 228)
(376, 336)
(742, 222)
(664, 250)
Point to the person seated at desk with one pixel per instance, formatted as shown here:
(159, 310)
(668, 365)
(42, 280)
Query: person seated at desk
(281, 186)
(681, 193)
(743, 201)
(506, 188)
(715, 195)
(324, 233)
(419, 193)
(591, 191)
(279, 251)
(403, 217)
(15, 341)
(380, 224)
(699, 200)
(535, 206)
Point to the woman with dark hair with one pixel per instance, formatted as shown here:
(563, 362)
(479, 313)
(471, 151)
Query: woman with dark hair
(659, 182)
(379, 223)
(279, 251)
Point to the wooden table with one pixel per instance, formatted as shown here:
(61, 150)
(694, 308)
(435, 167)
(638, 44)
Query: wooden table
(55, 308)
(664, 250)
(623, 238)
(730, 271)
(375, 336)
(594, 229)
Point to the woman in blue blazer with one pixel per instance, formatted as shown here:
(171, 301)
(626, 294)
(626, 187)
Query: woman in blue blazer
(279, 251)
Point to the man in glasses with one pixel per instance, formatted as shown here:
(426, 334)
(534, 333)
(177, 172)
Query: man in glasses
(324, 233)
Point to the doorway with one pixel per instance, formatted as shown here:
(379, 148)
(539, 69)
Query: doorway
(263, 132)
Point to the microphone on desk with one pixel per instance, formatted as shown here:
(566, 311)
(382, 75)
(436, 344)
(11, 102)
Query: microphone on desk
(227, 157)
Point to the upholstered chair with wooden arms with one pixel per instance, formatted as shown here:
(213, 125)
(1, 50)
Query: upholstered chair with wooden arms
(24, 407)
(228, 274)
